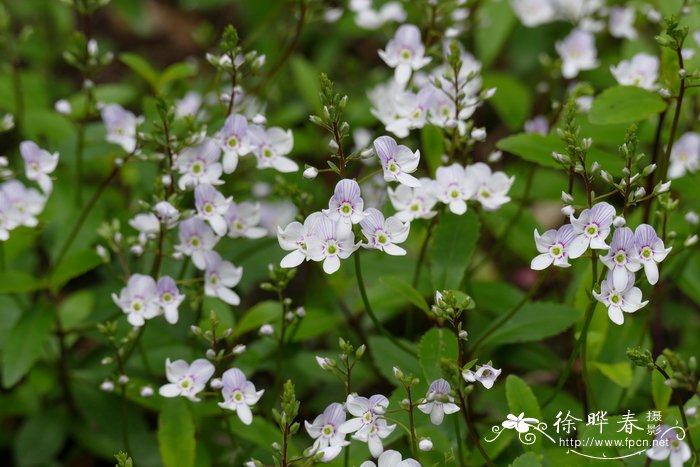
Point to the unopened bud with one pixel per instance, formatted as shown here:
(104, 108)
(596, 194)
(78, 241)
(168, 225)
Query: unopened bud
(619, 221)
(568, 210)
(310, 173)
(425, 444)
(566, 198)
(146, 391)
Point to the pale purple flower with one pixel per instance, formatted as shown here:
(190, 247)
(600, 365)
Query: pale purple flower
(189, 105)
(147, 224)
(537, 125)
(685, 155)
(622, 258)
(621, 23)
(578, 53)
(139, 299)
(7, 223)
(324, 430)
(491, 187)
(196, 238)
(520, 423)
(186, 380)
(392, 458)
(167, 213)
(619, 299)
(346, 204)
(591, 228)
(651, 251)
(300, 241)
(335, 242)
(243, 220)
(365, 411)
(413, 203)
(220, 277)
(373, 434)
(169, 298)
(413, 111)
(392, 105)
(438, 402)
(121, 126)
(211, 207)
(384, 234)
(38, 164)
(553, 246)
(398, 161)
(270, 147)
(534, 12)
(199, 165)
(668, 445)
(641, 71)
(233, 139)
(239, 394)
(405, 52)
(22, 204)
(368, 18)
(454, 186)
(485, 374)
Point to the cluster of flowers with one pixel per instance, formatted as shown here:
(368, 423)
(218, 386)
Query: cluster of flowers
(143, 298)
(20, 205)
(185, 380)
(627, 253)
(435, 101)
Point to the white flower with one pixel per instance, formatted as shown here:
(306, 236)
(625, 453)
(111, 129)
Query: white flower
(189, 105)
(147, 225)
(186, 380)
(438, 402)
(454, 186)
(19, 205)
(266, 330)
(300, 241)
(538, 125)
(38, 164)
(520, 423)
(384, 234)
(669, 446)
(365, 411)
(310, 173)
(242, 220)
(591, 228)
(335, 242)
(621, 22)
(413, 203)
(391, 458)
(199, 165)
(641, 71)
(627, 298)
(196, 238)
(685, 155)
(169, 298)
(121, 126)
(220, 277)
(211, 207)
(270, 146)
(405, 52)
(553, 246)
(324, 430)
(346, 204)
(651, 251)
(239, 394)
(146, 392)
(425, 444)
(398, 161)
(622, 258)
(138, 299)
(491, 188)
(485, 374)
(62, 106)
(412, 110)
(167, 213)
(534, 12)
(233, 140)
(577, 52)
(368, 18)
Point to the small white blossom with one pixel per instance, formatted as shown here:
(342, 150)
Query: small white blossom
(398, 161)
(384, 234)
(669, 446)
(346, 204)
(641, 71)
(328, 440)
(413, 203)
(220, 277)
(621, 23)
(196, 238)
(233, 140)
(491, 187)
(391, 458)
(685, 155)
(310, 173)
(454, 186)
(485, 374)
(651, 251)
(211, 207)
(239, 394)
(138, 299)
(534, 12)
(591, 228)
(618, 299)
(425, 444)
(270, 147)
(622, 258)
(554, 247)
(300, 240)
(578, 53)
(121, 126)
(405, 52)
(38, 164)
(169, 298)
(243, 219)
(438, 402)
(199, 165)
(186, 380)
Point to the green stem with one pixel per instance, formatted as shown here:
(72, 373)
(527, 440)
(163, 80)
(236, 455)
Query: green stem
(370, 312)
(472, 429)
(663, 167)
(423, 251)
(411, 424)
(681, 407)
(460, 448)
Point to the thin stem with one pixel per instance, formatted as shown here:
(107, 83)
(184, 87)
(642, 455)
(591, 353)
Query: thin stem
(681, 406)
(663, 168)
(370, 312)
(423, 251)
(473, 434)
(460, 448)
(411, 423)
(654, 160)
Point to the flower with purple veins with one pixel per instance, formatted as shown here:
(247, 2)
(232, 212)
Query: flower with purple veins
(398, 161)
(485, 374)
(169, 298)
(270, 147)
(391, 458)
(405, 52)
(553, 246)
(199, 165)
(243, 220)
(578, 53)
(592, 228)
(23, 204)
(668, 445)
(346, 205)
(328, 440)
(233, 139)
(365, 411)
(617, 300)
(384, 234)
(167, 213)
(220, 277)
(413, 203)
(138, 299)
(438, 402)
(651, 251)
(622, 258)
(186, 380)
(300, 240)
(147, 225)
(38, 164)
(212, 207)
(121, 126)
(336, 242)
(196, 238)
(492, 187)
(239, 394)
(453, 186)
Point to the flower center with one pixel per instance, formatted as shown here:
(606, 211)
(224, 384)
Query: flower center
(208, 208)
(237, 396)
(213, 279)
(615, 298)
(556, 250)
(232, 142)
(485, 193)
(620, 257)
(345, 208)
(267, 152)
(381, 237)
(454, 193)
(591, 230)
(167, 297)
(195, 242)
(186, 383)
(393, 167)
(367, 417)
(406, 54)
(646, 252)
(332, 249)
(238, 225)
(328, 431)
(137, 305)
(197, 168)
(415, 207)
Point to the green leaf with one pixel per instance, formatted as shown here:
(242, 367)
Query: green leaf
(521, 399)
(618, 373)
(141, 67)
(76, 308)
(659, 391)
(432, 146)
(25, 343)
(262, 432)
(17, 282)
(529, 459)
(175, 72)
(496, 21)
(405, 289)
(452, 246)
(306, 81)
(512, 100)
(534, 322)
(387, 355)
(74, 265)
(625, 104)
(261, 313)
(40, 438)
(176, 433)
(436, 344)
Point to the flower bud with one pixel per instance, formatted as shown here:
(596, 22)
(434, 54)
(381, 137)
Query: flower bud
(479, 134)
(649, 169)
(398, 373)
(216, 383)
(310, 173)
(259, 119)
(210, 354)
(495, 156)
(640, 192)
(568, 210)
(463, 334)
(566, 198)
(146, 391)
(619, 221)
(239, 349)
(691, 240)
(62, 106)
(123, 379)
(107, 386)
(692, 218)
(425, 444)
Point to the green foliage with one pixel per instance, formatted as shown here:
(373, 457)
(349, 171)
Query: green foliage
(176, 433)
(451, 248)
(625, 104)
(25, 344)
